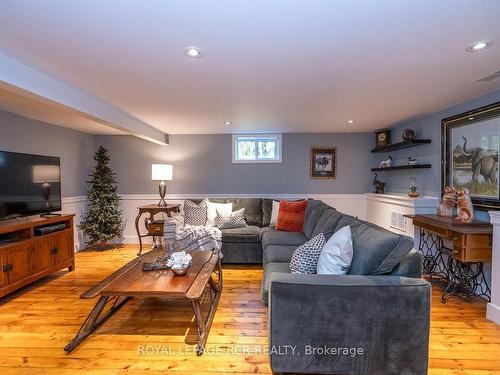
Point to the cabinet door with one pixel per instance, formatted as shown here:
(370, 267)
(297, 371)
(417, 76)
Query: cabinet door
(63, 243)
(43, 254)
(3, 274)
(19, 259)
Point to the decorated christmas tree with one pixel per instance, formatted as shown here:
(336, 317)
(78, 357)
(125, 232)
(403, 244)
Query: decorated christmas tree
(103, 220)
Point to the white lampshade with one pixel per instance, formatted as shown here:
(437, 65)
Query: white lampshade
(45, 173)
(162, 172)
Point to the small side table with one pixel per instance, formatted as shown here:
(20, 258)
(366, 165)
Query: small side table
(461, 265)
(152, 210)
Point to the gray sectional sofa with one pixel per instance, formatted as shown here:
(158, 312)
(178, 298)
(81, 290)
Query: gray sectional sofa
(374, 320)
(244, 245)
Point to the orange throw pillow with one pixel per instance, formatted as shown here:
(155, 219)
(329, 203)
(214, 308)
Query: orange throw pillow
(291, 216)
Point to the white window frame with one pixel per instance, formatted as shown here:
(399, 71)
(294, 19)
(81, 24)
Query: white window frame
(257, 136)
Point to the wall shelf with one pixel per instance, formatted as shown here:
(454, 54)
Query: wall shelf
(399, 167)
(402, 145)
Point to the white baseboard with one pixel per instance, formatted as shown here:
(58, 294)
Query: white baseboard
(493, 313)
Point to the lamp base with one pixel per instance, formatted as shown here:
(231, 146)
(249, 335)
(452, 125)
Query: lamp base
(162, 189)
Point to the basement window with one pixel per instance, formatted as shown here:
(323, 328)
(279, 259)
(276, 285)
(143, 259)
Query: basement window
(256, 148)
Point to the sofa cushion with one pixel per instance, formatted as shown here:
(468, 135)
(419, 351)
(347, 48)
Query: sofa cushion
(267, 208)
(305, 257)
(277, 237)
(336, 256)
(195, 214)
(214, 209)
(266, 279)
(377, 251)
(278, 253)
(327, 223)
(264, 230)
(291, 216)
(410, 265)
(314, 211)
(274, 213)
(351, 221)
(242, 253)
(246, 234)
(253, 209)
(235, 219)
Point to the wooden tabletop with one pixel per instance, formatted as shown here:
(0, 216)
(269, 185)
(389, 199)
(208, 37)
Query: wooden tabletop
(449, 223)
(132, 281)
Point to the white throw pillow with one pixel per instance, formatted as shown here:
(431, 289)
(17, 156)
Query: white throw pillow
(336, 257)
(225, 209)
(274, 213)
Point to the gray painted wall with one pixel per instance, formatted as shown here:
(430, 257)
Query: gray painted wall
(428, 180)
(21, 134)
(202, 165)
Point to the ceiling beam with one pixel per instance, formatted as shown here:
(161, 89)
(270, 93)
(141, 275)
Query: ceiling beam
(22, 79)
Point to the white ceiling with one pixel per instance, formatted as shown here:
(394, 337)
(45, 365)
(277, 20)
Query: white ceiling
(280, 65)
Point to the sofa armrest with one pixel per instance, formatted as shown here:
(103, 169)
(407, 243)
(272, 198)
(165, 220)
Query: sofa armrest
(349, 324)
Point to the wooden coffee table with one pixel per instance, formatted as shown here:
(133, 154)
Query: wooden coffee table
(130, 281)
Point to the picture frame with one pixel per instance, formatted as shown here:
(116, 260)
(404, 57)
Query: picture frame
(323, 162)
(470, 147)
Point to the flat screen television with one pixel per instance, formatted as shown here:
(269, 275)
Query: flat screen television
(29, 184)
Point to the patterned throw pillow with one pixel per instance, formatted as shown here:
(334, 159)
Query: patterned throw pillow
(305, 257)
(235, 220)
(195, 214)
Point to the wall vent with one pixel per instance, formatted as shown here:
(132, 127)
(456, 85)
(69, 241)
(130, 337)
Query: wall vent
(398, 221)
(489, 77)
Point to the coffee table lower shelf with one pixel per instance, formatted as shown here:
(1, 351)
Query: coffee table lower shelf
(130, 282)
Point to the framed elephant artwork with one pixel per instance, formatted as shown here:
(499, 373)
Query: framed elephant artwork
(323, 162)
(470, 148)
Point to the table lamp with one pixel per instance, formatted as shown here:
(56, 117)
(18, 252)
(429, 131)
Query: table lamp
(43, 174)
(162, 172)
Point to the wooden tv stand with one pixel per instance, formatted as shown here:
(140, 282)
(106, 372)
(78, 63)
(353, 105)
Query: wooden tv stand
(26, 257)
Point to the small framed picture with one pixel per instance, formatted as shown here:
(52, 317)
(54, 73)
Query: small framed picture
(323, 162)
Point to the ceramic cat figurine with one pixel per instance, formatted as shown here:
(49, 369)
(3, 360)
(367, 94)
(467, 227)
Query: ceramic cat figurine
(464, 206)
(386, 163)
(448, 201)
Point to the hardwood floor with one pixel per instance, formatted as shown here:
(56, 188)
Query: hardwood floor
(152, 336)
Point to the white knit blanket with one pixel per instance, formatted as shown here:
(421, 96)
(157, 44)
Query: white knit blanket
(190, 237)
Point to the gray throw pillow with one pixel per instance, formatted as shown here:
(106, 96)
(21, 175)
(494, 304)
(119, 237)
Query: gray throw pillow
(195, 214)
(235, 220)
(305, 257)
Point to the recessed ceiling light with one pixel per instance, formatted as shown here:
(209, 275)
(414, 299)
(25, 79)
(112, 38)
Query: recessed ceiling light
(471, 118)
(227, 122)
(192, 52)
(478, 46)
(350, 121)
